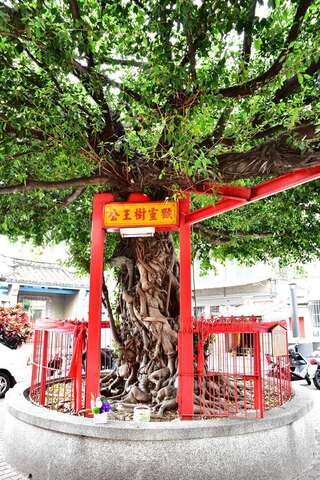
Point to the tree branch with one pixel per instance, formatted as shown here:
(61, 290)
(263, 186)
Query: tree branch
(73, 197)
(212, 140)
(14, 15)
(268, 159)
(303, 130)
(291, 85)
(114, 330)
(217, 237)
(248, 88)
(191, 55)
(215, 138)
(44, 67)
(113, 129)
(54, 185)
(84, 71)
(247, 34)
(33, 132)
(125, 62)
(75, 9)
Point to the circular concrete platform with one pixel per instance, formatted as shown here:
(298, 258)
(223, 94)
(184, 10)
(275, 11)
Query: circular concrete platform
(56, 446)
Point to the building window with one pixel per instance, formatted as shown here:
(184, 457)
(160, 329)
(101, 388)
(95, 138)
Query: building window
(239, 343)
(35, 308)
(214, 309)
(198, 312)
(314, 309)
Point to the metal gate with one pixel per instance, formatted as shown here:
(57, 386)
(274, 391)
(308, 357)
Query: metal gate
(240, 369)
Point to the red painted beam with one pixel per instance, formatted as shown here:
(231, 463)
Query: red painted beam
(209, 212)
(225, 191)
(229, 191)
(263, 190)
(285, 182)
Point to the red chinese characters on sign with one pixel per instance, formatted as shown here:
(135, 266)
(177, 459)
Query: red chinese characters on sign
(141, 214)
(126, 215)
(166, 212)
(112, 215)
(153, 214)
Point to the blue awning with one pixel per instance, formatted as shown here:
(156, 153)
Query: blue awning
(46, 290)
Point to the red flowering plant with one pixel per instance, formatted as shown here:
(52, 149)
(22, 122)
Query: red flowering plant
(15, 326)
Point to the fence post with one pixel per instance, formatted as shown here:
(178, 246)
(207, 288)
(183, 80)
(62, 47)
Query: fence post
(185, 339)
(35, 364)
(258, 389)
(287, 369)
(77, 381)
(44, 365)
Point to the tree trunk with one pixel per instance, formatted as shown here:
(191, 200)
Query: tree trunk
(148, 331)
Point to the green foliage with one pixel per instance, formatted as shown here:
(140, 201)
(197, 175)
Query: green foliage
(285, 226)
(133, 90)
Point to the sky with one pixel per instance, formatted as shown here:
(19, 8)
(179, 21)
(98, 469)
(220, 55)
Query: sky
(25, 250)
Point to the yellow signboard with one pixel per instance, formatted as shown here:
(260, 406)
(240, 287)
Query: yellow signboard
(152, 214)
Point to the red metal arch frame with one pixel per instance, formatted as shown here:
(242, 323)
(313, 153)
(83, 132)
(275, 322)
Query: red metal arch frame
(231, 197)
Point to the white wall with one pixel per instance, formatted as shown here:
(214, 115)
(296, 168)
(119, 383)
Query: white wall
(236, 290)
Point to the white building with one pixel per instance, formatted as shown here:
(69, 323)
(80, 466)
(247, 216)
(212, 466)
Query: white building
(265, 291)
(47, 290)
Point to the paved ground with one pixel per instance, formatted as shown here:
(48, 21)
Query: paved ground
(6, 472)
(312, 473)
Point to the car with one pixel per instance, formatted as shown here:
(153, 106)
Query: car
(13, 366)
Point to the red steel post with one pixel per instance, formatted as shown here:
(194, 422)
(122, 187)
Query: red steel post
(258, 388)
(95, 296)
(185, 340)
(44, 364)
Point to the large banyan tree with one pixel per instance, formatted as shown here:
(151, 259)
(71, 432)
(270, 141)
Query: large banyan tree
(157, 96)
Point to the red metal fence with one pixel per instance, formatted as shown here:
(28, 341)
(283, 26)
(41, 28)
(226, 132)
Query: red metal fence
(238, 369)
(241, 366)
(59, 364)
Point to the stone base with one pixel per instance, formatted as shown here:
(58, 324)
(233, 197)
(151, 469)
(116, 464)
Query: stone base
(56, 446)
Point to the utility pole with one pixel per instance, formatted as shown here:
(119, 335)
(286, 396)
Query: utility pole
(294, 310)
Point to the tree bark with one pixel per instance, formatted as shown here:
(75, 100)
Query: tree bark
(149, 318)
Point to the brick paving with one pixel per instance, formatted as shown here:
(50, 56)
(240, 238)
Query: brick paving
(6, 472)
(312, 472)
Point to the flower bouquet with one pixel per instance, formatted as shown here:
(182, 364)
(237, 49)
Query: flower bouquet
(101, 409)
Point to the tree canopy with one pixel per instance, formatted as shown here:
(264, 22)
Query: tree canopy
(158, 97)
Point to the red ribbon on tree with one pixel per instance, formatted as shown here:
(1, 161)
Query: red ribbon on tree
(80, 336)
